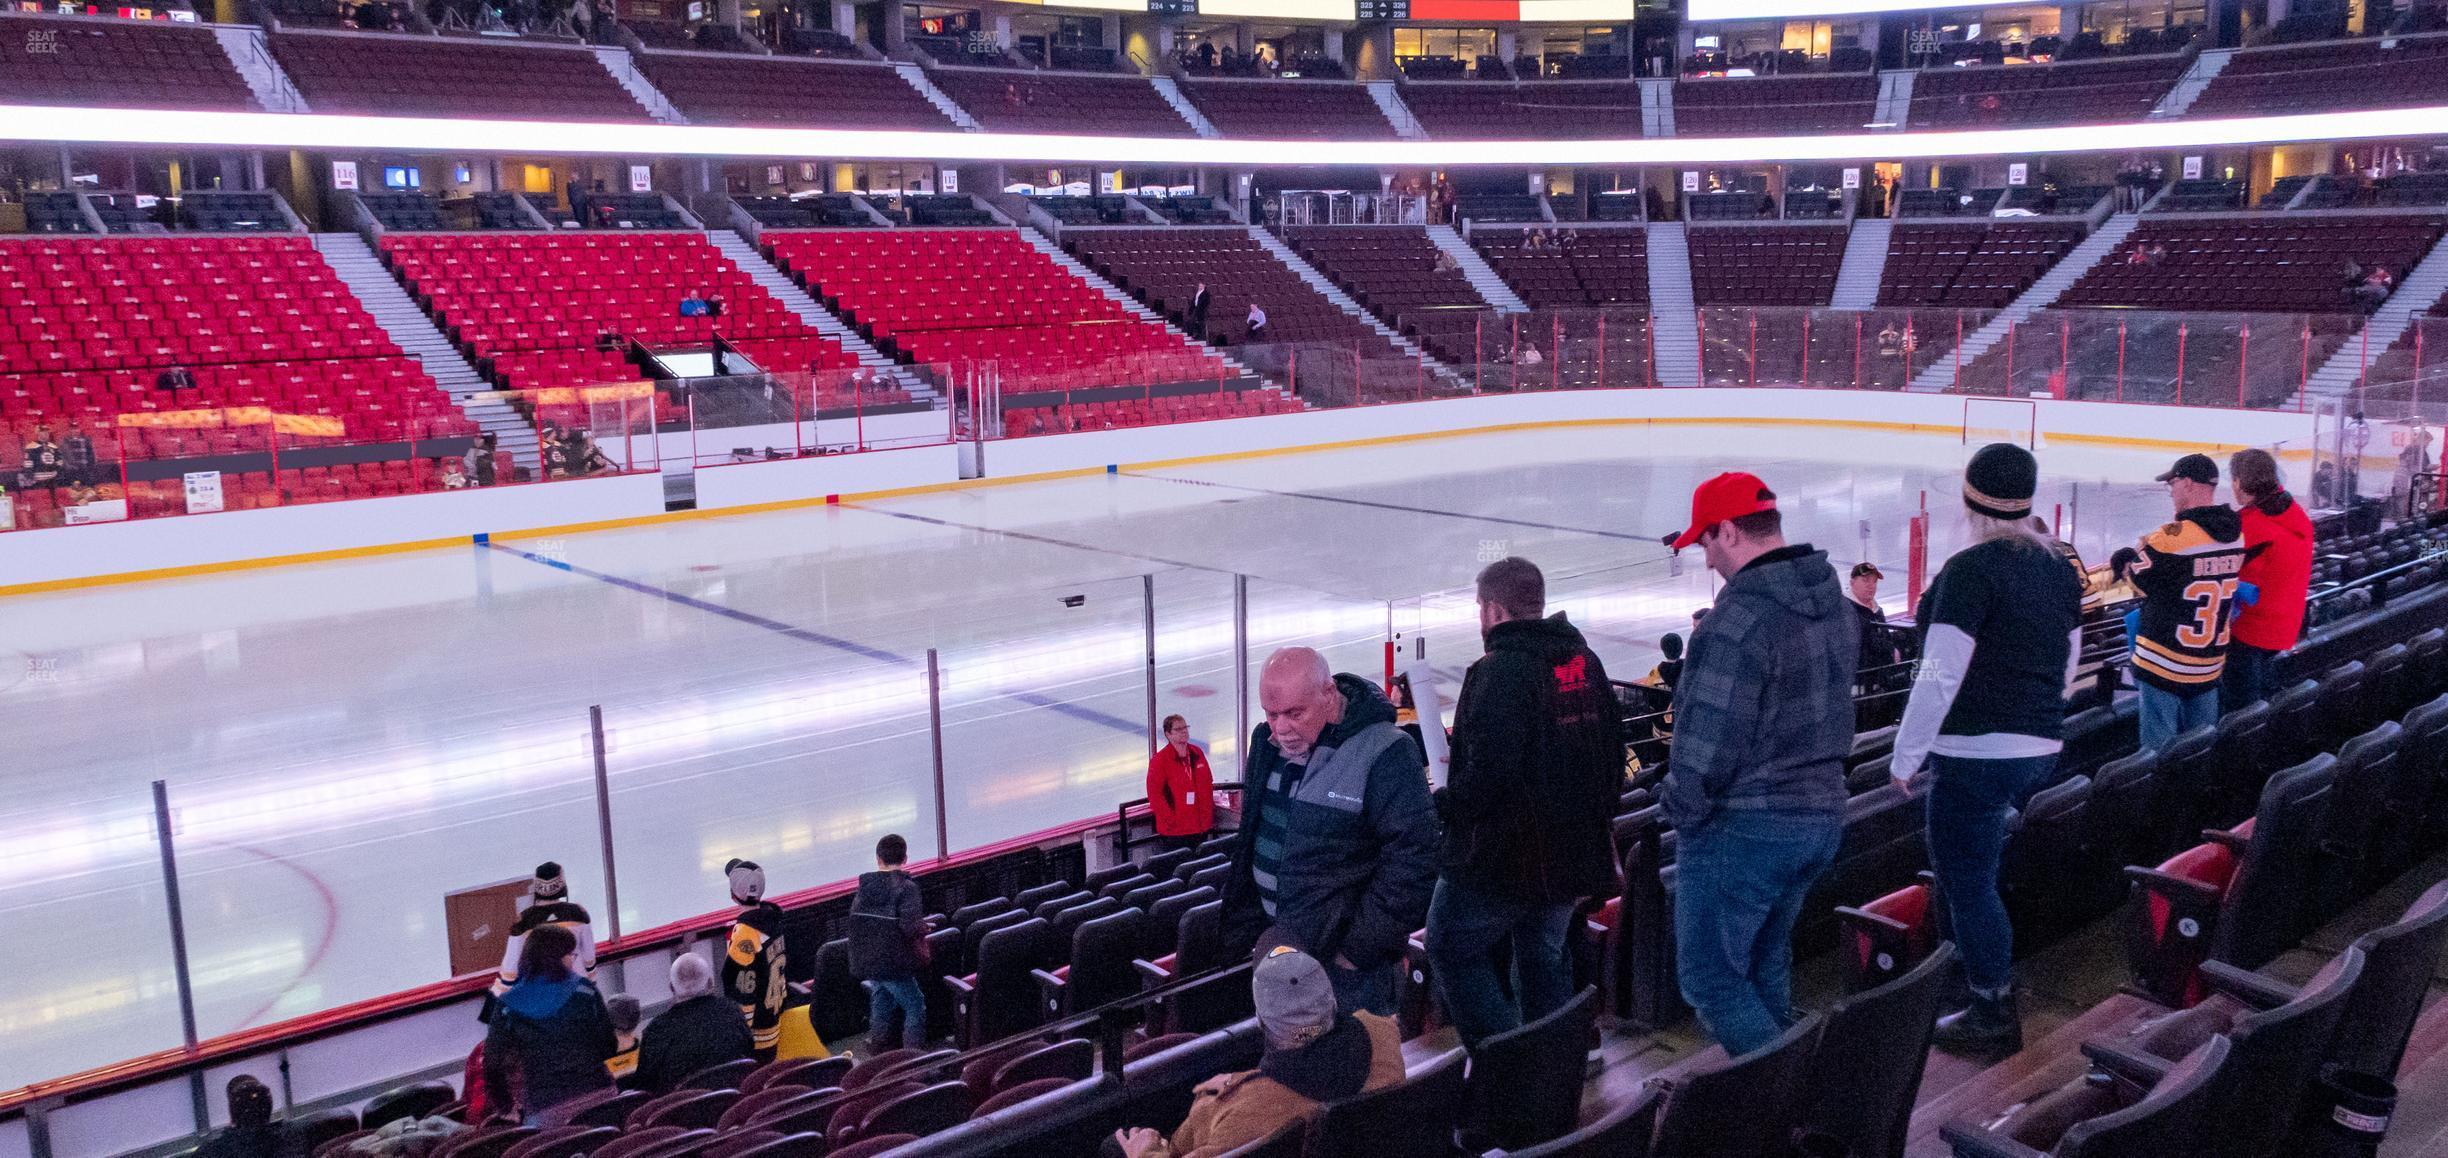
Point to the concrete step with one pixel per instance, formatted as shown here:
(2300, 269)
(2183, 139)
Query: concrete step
(1674, 323)
(2205, 69)
(246, 49)
(942, 101)
(623, 67)
(1940, 376)
(1350, 305)
(2416, 293)
(772, 280)
(389, 304)
(1180, 101)
(1477, 271)
(1389, 101)
(1865, 264)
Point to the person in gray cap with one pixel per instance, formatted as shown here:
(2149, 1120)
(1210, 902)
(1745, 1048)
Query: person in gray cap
(1314, 1055)
(753, 959)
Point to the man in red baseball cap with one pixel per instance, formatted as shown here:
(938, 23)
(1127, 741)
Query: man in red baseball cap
(1755, 778)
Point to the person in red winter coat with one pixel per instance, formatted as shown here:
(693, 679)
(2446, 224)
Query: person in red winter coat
(2277, 569)
(1180, 788)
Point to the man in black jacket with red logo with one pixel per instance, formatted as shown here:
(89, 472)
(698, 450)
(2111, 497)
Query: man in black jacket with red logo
(1538, 760)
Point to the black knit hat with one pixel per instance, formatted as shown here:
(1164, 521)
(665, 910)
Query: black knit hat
(549, 885)
(2000, 480)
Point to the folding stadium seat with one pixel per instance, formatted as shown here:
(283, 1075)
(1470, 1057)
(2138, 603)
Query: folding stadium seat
(1416, 1117)
(1000, 997)
(2240, 898)
(2172, 1119)
(1743, 1105)
(1145, 896)
(1102, 949)
(2274, 1055)
(915, 1114)
(1066, 1062)
(726, 1076)
(1873, 1048)
(1889, 936)
(807, 1114)
(1525, 1084)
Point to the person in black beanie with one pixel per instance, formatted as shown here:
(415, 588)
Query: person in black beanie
(2002, 627)
(549, 904)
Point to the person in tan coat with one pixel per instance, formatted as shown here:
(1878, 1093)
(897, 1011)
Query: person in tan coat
(1313, 1056)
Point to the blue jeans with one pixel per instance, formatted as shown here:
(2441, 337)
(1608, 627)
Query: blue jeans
(1464, 926)
(2167, 715)
(2246, 677)
(1740, 881)
(1370, 989)
(901, 995)
(1969, 801)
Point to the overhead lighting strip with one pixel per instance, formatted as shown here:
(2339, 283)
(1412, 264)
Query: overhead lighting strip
(359, 134)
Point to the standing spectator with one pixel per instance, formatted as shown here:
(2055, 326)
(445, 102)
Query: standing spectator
(1538, 760)
(2187, 572)
(548, 905)
(174, 379)
(42, 460)
(551, 1032)
(1755, 783)
(888, 931)
(1180, 788)
(700, 1030)
(625, 1013)
(1337, 854)
(77, 458)
(1669, 665)
(250, 1133)
(1878, 656)
(753, 958)
(480, 463)
(1194, 318)
(1987, 717)
(2278, 569)
(1257, 325)
(1315, 1054)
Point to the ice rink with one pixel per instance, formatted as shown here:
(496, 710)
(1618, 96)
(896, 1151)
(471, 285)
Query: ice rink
(346, 742)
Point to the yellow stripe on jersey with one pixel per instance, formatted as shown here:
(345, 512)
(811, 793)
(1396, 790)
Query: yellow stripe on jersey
(2175, 666)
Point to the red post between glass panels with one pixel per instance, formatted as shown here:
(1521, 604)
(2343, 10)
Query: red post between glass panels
(2009, 391)
(2305, 385)
(2418, 369)
(1805, 351)
(1857, 365)
(1602, 351)
(2181, 327)
(1958, 350)
(2120, 382)
(2243, 359)
(1754, 343)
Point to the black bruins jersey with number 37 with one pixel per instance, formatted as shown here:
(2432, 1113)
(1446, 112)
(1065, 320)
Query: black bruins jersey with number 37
(2187, 576)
